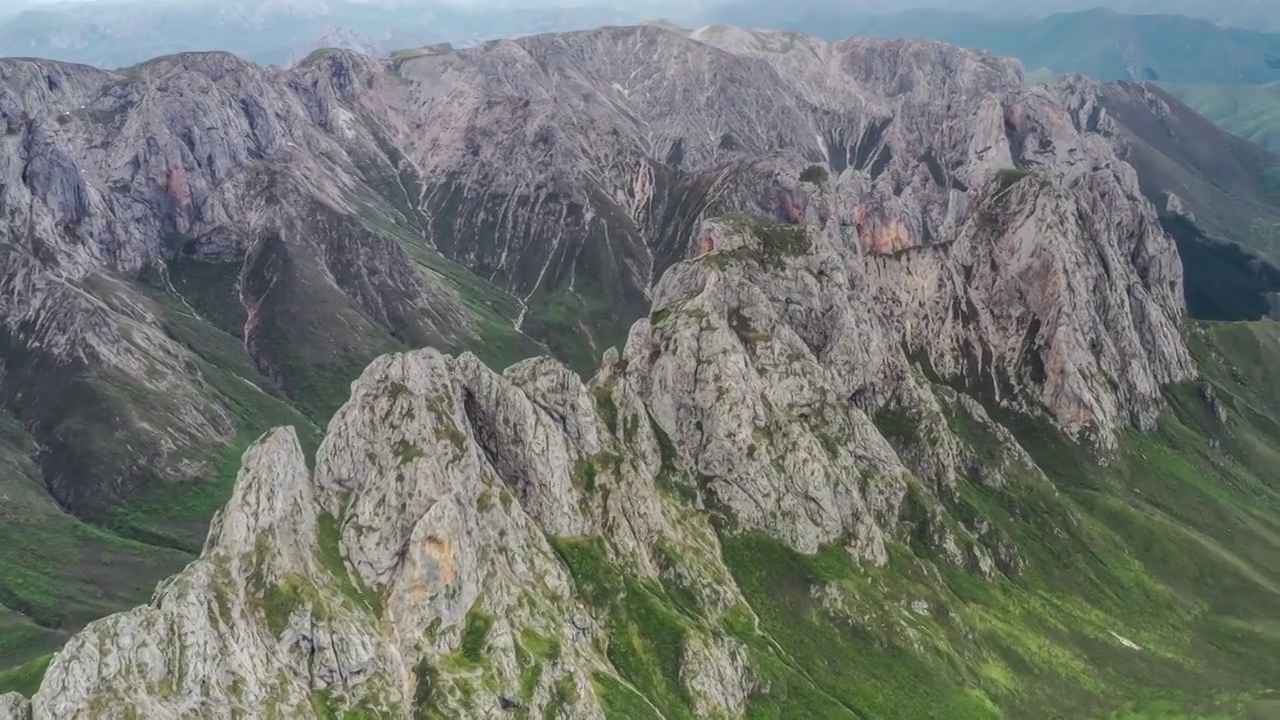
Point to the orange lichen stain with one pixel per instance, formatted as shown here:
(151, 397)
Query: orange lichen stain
(878, 236)
(706, 244)
(176, 185)
(1015, 116)
(792, 211)
(420, 591)
(441, 550)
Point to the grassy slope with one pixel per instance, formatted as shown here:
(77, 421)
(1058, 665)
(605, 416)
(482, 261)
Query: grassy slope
(1250, 111)
(57, 573)
(1152, 588)
(1221, 281)
(1173, 545)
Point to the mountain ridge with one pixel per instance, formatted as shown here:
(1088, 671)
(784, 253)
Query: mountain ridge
(900, 221)
(330, 565)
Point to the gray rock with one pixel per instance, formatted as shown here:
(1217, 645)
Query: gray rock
(14, 707)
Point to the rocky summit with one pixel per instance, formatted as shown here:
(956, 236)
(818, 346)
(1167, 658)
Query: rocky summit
(893, 409)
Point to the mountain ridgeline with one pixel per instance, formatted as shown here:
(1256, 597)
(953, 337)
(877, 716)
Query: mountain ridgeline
(696, 374)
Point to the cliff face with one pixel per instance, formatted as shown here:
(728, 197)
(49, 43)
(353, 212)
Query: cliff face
(839, 277)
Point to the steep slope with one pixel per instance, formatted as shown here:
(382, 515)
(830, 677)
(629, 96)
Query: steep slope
(712, 527)
(1249, 111)
(1228, 187)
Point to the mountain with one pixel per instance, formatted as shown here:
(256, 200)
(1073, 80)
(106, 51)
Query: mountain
(1249, 111)
(192, 259)
(1228, 186)
(1098, 42)
(120, 34)
(905, 416)
(1133, 40)
(1249, 14)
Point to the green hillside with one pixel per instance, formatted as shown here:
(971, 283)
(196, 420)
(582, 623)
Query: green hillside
(1249, 111)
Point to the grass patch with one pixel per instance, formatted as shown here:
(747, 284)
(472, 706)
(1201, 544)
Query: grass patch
(777, 242)
(351, 585)
(476, 633)
(621, 702)
(280, 601)
(1008, 177)
(606, 408)
(815, 174)
(25, 679)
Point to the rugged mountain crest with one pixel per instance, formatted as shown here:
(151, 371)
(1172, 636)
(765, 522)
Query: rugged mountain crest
(470, 543)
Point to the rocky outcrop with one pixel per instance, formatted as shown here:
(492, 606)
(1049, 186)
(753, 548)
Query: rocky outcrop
(1186, 165)
(924, 164)
(14, 707)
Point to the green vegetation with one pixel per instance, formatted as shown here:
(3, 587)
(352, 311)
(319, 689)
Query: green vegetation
(606, 407)
(351, 585)
(621, 702)
(406, 452)
(563, 693)
(646, 636)
(56, 572)
(646, 631)
(281, 600)
(815, 174)
(899, 425)
(494, 312)
(1150, 589)
(1249, 111)
(578, 325)
(1222, 281)
(598, 581)
(24, 679)
(533, 651)
(476, 633)
(778, 241)
(1008, 177)
(177, 515)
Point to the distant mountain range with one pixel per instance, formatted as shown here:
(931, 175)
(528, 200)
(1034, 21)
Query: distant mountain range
(1064, 36)
(115, 35)
(1099, 43)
